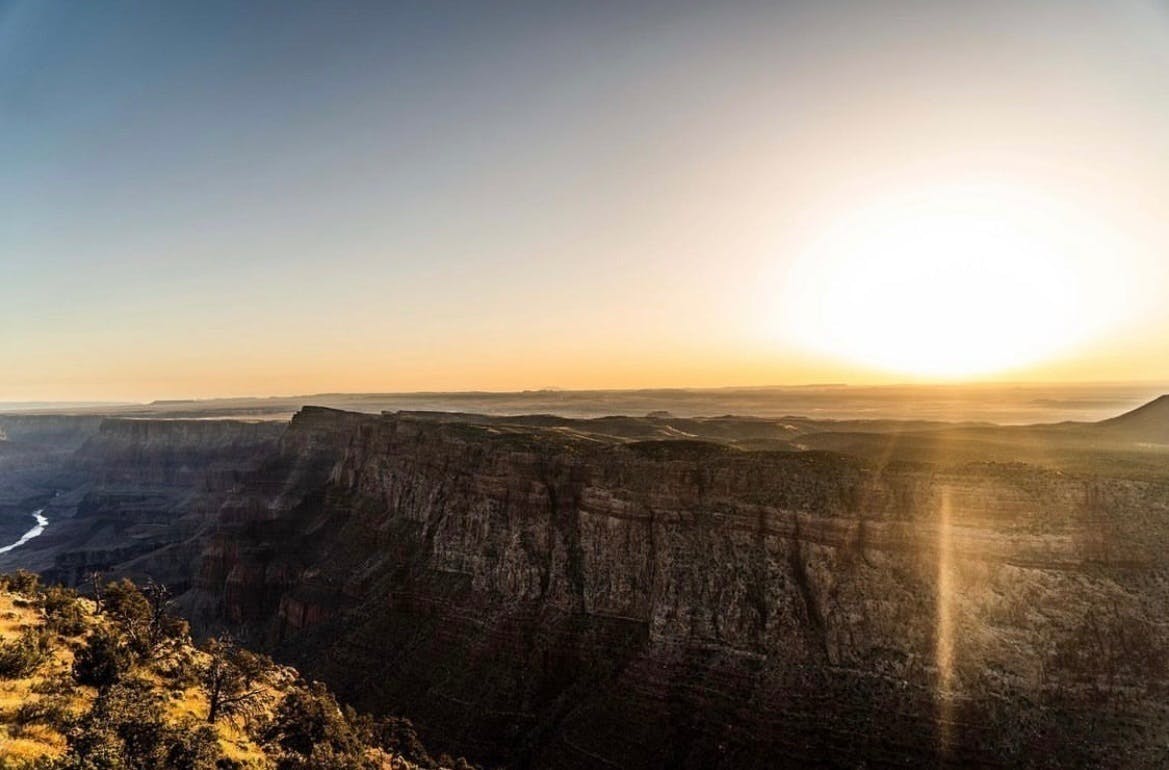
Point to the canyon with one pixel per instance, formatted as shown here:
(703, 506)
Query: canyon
(658, 591)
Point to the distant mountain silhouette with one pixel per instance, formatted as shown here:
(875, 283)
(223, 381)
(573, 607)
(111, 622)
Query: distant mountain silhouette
(1149, 423)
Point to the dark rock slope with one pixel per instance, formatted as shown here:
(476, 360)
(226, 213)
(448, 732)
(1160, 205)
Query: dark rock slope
(552, 599)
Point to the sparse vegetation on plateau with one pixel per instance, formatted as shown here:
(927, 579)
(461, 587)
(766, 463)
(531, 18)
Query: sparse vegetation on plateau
(116, 683)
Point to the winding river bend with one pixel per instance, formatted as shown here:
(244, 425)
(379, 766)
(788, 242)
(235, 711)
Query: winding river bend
(42, 522)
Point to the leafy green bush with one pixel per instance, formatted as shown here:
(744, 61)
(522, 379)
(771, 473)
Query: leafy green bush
(130, 610)
(40, 763)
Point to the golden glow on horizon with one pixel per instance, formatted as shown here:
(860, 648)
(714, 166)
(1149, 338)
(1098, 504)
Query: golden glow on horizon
(956, 282)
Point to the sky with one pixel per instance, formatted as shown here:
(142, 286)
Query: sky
(214, 199)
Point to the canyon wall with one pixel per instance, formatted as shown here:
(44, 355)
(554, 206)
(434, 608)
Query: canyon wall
(550, 593)
(34, 454)
(128, 490)
(547, 599)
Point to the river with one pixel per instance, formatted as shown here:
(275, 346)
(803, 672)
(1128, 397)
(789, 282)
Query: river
(42, 522)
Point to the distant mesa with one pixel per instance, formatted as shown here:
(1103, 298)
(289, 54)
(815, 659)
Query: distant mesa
(1148, 423)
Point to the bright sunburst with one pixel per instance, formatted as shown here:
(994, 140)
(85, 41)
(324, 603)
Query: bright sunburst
(952, 283)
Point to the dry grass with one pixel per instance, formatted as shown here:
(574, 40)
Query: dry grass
(23, 743)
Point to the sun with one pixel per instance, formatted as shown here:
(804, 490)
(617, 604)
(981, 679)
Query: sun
(950, 283)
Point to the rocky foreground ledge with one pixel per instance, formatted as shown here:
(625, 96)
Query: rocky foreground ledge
(116, 683)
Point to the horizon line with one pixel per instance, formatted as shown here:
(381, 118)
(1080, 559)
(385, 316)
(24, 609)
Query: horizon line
(32, 403)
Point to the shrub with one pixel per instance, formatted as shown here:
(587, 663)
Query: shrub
(309, 719)
(56, 684)
(50, 711)
(179, 667)
(40, 763)
(233, 678)
(21, 657)
(63, 611)
(325, 757)
(103, 660)
(20, 582)
(125, 730)
(193, 749)
(398, 736)
(143, 614)
(130, 610)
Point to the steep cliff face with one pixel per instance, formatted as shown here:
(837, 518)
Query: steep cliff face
(556, 600)
(173, 453)
(60, 432)
(247, 562)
